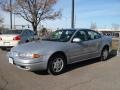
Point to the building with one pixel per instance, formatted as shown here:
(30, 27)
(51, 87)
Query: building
(109, 31)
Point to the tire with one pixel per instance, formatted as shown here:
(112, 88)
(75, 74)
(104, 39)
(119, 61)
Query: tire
(3, 49)
(56, 65)
(27, 41)
(104, 54)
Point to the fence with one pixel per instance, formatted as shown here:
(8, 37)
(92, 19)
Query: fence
(18, 26)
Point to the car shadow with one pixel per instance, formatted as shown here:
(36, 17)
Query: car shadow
(80, 64)
(89, 62)
(6, 49)
(41, 72)
(112, 54)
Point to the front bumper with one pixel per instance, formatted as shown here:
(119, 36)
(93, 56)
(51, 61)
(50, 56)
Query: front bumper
(29, 65)
(32, 66)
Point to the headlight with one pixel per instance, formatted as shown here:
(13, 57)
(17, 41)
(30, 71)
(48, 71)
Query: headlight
(13, 54)
(29, 55)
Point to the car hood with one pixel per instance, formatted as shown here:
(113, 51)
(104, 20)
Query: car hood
(39, 47)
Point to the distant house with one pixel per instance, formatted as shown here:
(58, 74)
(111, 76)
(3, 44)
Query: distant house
(109, 31)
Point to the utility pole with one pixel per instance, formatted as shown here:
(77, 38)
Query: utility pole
(10, 14)
(14, 22)
(73, 14)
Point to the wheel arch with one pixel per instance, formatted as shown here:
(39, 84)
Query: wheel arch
(58, 53)
(106, 46)
(102, 57)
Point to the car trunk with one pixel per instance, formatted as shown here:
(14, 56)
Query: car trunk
(8, 37)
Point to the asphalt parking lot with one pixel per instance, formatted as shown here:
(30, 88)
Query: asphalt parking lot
(88, 75)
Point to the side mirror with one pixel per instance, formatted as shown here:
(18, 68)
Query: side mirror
(76, 40)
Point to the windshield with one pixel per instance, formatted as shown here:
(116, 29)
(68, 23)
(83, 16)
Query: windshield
(60, 35)
(12, 32)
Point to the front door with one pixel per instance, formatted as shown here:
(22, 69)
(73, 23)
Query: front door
(78, 51)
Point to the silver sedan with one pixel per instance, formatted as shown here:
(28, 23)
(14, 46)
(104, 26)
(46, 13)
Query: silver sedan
(61, 48)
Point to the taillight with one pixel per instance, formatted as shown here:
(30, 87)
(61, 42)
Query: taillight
(17, 38)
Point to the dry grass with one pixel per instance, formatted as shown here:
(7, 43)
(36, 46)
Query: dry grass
(115, 44)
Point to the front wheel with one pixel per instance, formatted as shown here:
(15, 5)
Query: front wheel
(56, 65)
(104, 54)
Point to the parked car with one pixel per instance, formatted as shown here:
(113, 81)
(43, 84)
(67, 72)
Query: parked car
(61, 48)
(10, 38)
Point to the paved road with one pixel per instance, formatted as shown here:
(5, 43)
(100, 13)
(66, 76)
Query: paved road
(89, 75)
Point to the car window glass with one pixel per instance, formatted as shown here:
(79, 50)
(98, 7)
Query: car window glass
(31, 33)
(97, 35)
(93, 35)
(82, 35)
(28, 32)
(24, 33)
(60, 35)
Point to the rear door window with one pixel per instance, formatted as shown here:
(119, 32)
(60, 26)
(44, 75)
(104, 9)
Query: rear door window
(93, 35)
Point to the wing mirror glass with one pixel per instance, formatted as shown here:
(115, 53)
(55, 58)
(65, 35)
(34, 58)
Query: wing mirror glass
(76, 40)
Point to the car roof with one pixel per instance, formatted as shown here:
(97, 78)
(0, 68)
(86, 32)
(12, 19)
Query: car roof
(78, 29)
(19, 29)
(14, 29)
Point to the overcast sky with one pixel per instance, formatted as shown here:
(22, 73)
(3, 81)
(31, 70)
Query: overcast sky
(102, 12)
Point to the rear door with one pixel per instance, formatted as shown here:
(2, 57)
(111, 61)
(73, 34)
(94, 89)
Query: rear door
(94, 43)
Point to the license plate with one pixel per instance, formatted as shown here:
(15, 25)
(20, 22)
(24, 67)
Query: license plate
(7, 43)
(10, 60)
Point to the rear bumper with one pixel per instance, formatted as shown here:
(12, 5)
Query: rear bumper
(4, 47)
(8, 44)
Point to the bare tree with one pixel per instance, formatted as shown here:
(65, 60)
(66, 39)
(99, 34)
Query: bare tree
(1, 24)
(115, 27)
(1, 20)
(93, 26)
(34, 11)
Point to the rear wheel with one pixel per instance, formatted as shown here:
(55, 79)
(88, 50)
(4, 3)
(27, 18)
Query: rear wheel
(104, 54)
(56, 64)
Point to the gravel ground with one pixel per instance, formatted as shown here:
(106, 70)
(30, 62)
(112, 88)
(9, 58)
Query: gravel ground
(88, 75)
